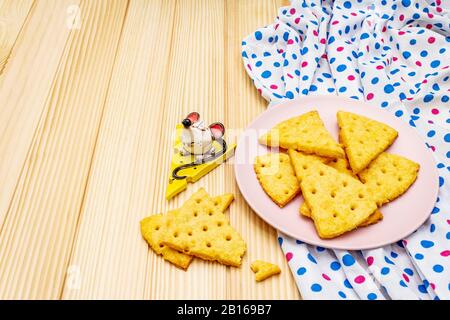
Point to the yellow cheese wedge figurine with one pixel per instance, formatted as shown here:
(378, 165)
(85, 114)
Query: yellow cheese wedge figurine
(198, 149)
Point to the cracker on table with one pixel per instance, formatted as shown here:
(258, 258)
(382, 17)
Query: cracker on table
(305, 133)
(363, 138)
(201, 229)
(277, 178)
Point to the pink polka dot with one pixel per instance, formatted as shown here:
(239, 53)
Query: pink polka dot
(369, 261)
(434, 111)
(369, 96)
(379, 67)
(418, 63)
(339, 49)
(292, 11)
(290, 76)
(384, 29)
(430, 15)
(304, 64)
(395, 58)
(433, 148)
(429, 26)
(289, 256)
(432, 285)
(360, 279)
(259, 91)
(445, 253)
(448, 221)
(297, 20)
(273, 86)
(405, 277)
(400, 33)
(290, 41)
(276, 26)
(249, 67)
(431, 39)
(326, 277)
(351, 77)
(401, 17)
(405, 243)
(335, 22)
(315, 33)
(439, 9)
(323, 41)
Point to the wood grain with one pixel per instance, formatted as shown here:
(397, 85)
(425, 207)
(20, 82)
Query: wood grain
(37, 237)
(12, 17)
(85, 144)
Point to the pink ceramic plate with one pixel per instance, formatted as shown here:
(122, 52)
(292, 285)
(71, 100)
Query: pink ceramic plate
(401, 217)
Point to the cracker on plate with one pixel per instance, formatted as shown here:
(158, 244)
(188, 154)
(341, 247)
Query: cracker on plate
(363, 138)
(277, 178)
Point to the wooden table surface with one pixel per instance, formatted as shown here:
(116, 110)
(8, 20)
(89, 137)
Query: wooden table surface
(90, 92)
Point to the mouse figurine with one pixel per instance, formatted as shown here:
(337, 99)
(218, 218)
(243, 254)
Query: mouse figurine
(197, 140)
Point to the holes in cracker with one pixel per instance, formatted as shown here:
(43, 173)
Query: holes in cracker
(195, 213)
(313, 191)
(216, 203)
(186, 249)
(198, 200)
(353, 207)
(286, 191)
(321, 173)
(208, 244)
(345, 184)
(205, 228)
(333, 194)
(190, 233)
(399, 179)
(175, 234)
(219, 223)
(157, 228)
(378, 183)
(210, 212)
(361, 142)
(383, 170)
(335, 215)
(279, 176)
(228, 238)
(360, 196)
(161, 245)
(305, 167)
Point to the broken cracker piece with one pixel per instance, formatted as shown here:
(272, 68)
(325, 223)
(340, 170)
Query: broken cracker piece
(363, 138)
(277, 178)
(305, 133)
(264, 270)
(201, 229)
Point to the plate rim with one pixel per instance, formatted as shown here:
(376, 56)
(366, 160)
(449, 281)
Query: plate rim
(305, 100)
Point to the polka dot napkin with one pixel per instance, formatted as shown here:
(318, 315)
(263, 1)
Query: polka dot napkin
(395, 54)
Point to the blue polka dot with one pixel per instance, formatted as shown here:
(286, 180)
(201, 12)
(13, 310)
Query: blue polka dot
(385, 271)
(428, 98)
(431, 133)
(348, 260)
(301, 271)
(305, 91)
(316, 287)
(347, 4)
(258, 35)
(342, 294)
(313, 88)
(375, 80)
(447, 137)
(335, 265)
(341, 67)
(371, 296)
(286, 36)
(402, 283)
(435, 63)
(441, 181)
(384, 104)
(406, 54)
(320, 249)
(418, 256)
(426, 244)
(388, 260)
(364, 36)
(408, 271)
(311, 258)
(406, 3)
(280, 240)
(412, 42)
(388, 88)
(289, 95)
(444, 98)
(423, 53)
(266, 74)
(276, 64)
(438, 268)
(258, 63)
(398, 113)
(432, 228)
(342, 89)
(348, 284)
(435, 210)
(422, 288)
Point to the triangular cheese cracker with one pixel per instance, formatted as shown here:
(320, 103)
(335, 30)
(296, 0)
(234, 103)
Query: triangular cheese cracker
(305, 133)
(201, 229)
(389, 176)
(340, 165)
(338, 202)
(264, 270)
(276, 176)
(363, 138)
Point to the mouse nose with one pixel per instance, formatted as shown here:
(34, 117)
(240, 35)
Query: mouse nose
(186, 123)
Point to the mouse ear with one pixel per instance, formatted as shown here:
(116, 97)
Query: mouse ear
(193, 116)
(217, 130)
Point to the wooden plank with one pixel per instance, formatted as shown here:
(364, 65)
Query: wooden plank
(36, 238)
(109, 249)
(243, 104)
(23, 93)
(12, 17)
